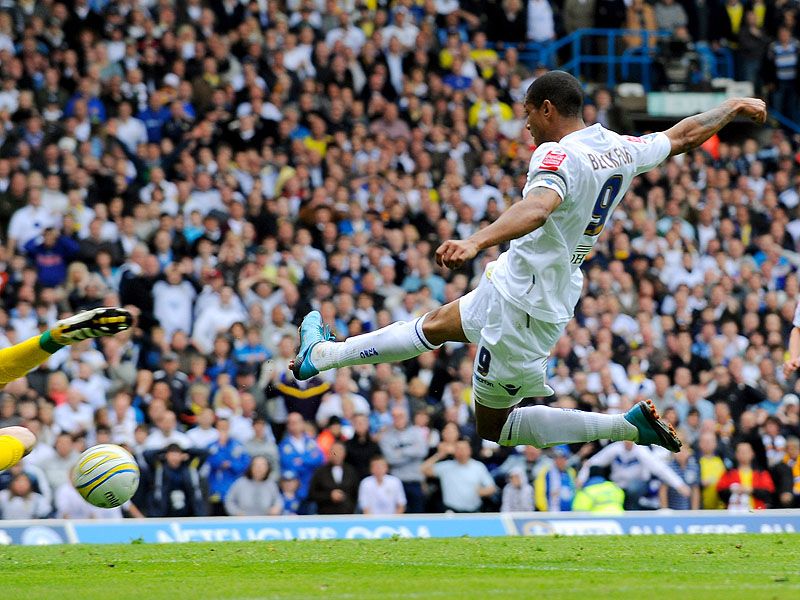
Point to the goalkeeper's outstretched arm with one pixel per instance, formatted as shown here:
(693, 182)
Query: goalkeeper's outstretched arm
(15, 442)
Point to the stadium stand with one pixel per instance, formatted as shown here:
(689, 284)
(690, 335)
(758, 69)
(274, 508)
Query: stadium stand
(221, 167)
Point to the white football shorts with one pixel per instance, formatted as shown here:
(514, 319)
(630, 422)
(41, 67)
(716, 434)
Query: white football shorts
(513, 348)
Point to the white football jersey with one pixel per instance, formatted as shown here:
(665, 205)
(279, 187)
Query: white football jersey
(591, 170)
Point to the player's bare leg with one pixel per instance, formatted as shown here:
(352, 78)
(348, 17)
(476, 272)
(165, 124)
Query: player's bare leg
(398, 341)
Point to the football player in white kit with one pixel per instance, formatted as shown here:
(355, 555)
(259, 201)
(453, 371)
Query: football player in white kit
(577, 176)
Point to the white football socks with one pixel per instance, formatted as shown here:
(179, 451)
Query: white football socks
(398, 341)
(543, 426)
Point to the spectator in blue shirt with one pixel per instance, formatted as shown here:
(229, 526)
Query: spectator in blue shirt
(50, 253)
(455, 79)
(154, 118)
(251, 351)
(227, 461)
(94, 106)
(299, 452)
(221, 361)
(289, 486)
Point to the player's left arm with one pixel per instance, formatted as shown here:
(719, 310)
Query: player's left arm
(521, 219)
(692, 131)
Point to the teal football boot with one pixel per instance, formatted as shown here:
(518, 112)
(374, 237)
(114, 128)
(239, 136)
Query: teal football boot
(312, 332)
(652, 430)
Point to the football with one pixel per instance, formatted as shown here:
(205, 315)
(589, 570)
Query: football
(106, 475)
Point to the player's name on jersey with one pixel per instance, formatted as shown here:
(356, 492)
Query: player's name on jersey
(612, 159)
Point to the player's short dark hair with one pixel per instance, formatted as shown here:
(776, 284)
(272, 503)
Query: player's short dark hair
(563, 91)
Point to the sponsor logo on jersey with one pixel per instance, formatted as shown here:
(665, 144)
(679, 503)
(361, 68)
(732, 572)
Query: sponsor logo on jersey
(368, 353)
(512, 390)
(613, 159)
(552, 160)
(480, 379)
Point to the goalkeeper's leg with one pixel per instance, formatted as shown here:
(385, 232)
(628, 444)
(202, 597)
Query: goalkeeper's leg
(17, 360)
(15, 442)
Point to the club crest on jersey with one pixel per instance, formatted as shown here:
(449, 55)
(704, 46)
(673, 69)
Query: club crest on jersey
(553, 159)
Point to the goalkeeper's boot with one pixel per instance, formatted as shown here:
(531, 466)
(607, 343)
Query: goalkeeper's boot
(652, 430)
(95, 323)
(312, 332)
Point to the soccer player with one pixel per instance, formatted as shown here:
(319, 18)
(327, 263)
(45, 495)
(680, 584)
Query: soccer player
(16, 361)
(577, 176)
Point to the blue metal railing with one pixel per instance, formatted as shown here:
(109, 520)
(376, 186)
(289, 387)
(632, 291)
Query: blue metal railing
(619, 65)
(784, 120)
(715, 63)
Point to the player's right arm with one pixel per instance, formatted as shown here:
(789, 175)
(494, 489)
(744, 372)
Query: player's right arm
(521, 219)
(691, 132)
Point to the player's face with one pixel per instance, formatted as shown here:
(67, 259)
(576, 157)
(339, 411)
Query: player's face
(535, 123)
(530, 115)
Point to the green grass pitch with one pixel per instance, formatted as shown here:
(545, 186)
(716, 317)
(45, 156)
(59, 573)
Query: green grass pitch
(686, 567)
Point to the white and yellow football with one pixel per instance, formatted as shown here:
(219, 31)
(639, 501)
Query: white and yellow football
(106, 475)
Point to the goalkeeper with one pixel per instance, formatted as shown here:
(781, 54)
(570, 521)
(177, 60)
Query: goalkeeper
(16, 361)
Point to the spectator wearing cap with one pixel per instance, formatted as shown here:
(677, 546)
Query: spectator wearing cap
(555, 486)
(334, 486)
(254, 493)
(299, 452)
(290, 484)
(381, 493)
(227, 461)
(517, 493)
(331, 434)
(465, 481)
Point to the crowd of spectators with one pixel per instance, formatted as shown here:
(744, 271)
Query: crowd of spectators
(220, 168)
